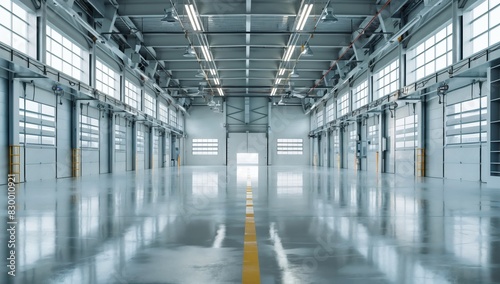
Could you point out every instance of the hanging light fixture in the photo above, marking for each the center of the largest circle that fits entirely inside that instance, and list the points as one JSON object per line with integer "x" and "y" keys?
{"x": 190, "y": 52}
{"x": 328, "y": 16}
{"x": 307, "y": 51}
{"x": 170, "y": 16}
{"x": 294, "y": 73}
{"x": 200, "y": 74}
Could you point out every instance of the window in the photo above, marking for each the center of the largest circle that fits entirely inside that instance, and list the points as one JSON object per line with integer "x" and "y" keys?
{"x": 173, "y": 118}
{"x": 330, "y": 112}
{"x": 37, "y": 123}
{"x": 150, "y": 105}
{"x": 132, "y": 95}
{"x": 373, "y": 137}
{"x": 14, "y": 26}
{"x": 64, "y": 55}
{"x": 406, "y": 132}
{"x": 319, "y": 118}
{"x": 466, "y": 122}
{"x": 107, "y": 80}
{"x": 290, "y": 146}
{"x": 140, "y": 141}
{"x": 361, "y": 95}
{"x": 89, "y": 135}
{"x": 120, "y": 137}
{"x": 163, "y": 112}
{"x": 432, "y": 55}
{"x": 386, "y": 80}
{"x": 205, "y": 147}
{"x": 482, "y": 26}
{"x": 343, "y": 104}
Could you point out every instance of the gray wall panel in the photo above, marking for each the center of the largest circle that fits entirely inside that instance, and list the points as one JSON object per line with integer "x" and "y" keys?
{"x": 463, "y": 163}
{"x": 405, "y": 162}
{"x": 389, "y": 153}
{"x": 104, "y": 136}
{"x": 147, "y": 148}
{"x": 351, "y": 146}
{"x": 203, "y": 123}
{"x": 40, "y": 163}
{"x": 64, "y": 152}
{"x": 90, "y": 162}
{"x": 120, "y": 161}
{"x": 289, "y": 122}
{"x": 434, "y": 134}
{"x": 130, "y": 156}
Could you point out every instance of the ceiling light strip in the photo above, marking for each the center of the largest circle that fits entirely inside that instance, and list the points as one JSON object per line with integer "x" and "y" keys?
{"x": 273, "y": 92}
{"x": 304, "y": 15}
{"x": 221, "y": 92}
{"x": 206, "y": 53}
{"x": 282, "y": 71}
{"x": 193, "y": 17}
{"x": 289, "y": 53}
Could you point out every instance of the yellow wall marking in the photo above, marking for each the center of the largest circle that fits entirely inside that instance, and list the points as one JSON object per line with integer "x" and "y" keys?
{"x": 251, "y": 270}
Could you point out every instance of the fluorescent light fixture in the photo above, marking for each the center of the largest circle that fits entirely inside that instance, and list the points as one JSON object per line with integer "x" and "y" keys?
{"x": 216, "y": 81}
{"x": 278, "y": 81}
{"x": 206, "y": 53}
{"x": 304, "y": 15}
{"x": 221, "y": 92}
{"x": 192, "y": 17}
{"x": 213, "y": 72}
{"x": 289, "y": 52}
{"x": 282, "y": 71}
{"x": 273, "y": 92}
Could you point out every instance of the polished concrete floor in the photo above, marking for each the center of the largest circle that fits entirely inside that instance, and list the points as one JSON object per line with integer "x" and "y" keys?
{"x": 313, "y": 225}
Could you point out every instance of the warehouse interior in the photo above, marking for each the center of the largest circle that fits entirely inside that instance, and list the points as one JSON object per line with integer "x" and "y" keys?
{"x": 250, "y": 141}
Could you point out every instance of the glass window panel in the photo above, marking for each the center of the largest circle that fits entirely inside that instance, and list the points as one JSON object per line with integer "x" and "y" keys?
{"x": 480, "y": 10}
{"x": 495, "y": 35}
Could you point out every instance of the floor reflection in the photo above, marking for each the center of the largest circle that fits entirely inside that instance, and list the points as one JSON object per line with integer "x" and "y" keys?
{"x": 313, "y": 225}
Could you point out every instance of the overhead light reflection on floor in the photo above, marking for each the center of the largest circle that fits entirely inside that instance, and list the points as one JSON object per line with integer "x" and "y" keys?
{"x": 219, "y": 237}
{"x": 281, "y": 257}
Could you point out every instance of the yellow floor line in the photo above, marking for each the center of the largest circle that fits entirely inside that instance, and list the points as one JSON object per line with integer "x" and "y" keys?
{"x": 251, "y": 270}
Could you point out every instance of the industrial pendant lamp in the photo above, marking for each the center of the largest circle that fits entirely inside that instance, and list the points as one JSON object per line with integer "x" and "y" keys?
{"x": 294, "y": 73}
{"x": 307, "y": 50}
{"x": 189, "y": 51}
{"x": 328, "y": 16}
{"x": 170, "y": 16}
{"x": 200, "y": 74}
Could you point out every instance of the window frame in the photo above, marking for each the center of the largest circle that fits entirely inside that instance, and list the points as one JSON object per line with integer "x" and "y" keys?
{"x": 79, "y": 54}
{"x": 205, "y": 147}
{"x": 290, "y": 146}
